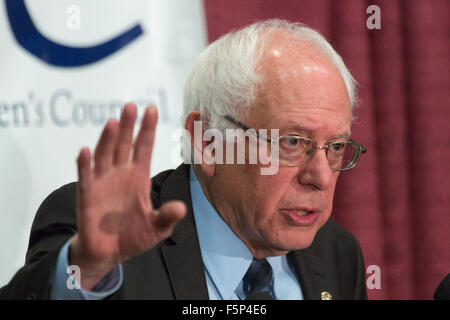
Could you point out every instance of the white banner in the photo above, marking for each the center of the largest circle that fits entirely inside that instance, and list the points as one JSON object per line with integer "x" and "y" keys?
{"x": 66, "y": 67}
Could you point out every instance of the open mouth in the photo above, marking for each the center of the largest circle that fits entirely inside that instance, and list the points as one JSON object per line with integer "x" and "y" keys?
{"x": 301, "y": 217}
{"x": 302, "y": 213}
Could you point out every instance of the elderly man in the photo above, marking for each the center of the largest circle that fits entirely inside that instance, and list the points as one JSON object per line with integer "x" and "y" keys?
{"x": 213, "y": 230}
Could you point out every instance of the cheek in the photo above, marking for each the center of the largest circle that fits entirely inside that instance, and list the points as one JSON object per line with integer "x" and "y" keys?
{"x": 267, "y": 193}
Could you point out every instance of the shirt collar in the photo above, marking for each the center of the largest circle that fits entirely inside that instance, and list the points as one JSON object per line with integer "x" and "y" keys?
{"x": 225, "y": 256}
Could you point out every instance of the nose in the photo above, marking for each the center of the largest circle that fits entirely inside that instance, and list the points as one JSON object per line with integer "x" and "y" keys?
{"x": 316, "y": 172}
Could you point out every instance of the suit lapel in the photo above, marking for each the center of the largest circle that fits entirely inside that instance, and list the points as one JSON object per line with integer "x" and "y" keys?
{"x": 311, "y": 273}
{"x": 181, "y": 252}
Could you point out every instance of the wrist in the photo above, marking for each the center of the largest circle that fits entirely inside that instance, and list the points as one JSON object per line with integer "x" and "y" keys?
{"x": 92, "y": 269}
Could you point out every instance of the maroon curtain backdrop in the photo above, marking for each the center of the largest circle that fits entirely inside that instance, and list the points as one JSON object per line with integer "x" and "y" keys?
{"x": 397, "y": 200}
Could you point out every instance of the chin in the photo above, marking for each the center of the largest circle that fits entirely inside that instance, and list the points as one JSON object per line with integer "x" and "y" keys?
{"x": 298, "y": 245}
{"x": 295, "y": 242}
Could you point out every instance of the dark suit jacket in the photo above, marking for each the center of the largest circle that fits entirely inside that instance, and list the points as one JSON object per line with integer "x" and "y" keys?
{"x": 174, "y": 268}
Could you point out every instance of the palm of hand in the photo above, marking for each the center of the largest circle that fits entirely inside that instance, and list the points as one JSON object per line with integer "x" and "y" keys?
{"x": 116, "y": 220}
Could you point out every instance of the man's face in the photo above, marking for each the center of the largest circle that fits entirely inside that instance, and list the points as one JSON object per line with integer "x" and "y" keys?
{"x": 302, "y": 95}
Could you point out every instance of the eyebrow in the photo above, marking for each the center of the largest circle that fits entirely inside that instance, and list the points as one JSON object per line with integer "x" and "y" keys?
{"x": 310, "y": 132}
{"x": 341, "y": 136}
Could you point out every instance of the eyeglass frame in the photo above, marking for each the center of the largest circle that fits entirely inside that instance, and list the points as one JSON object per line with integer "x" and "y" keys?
{"x": 360, "y": 149}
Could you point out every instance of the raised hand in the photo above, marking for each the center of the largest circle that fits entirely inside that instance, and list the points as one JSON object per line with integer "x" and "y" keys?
{"x": 116, "y": 220}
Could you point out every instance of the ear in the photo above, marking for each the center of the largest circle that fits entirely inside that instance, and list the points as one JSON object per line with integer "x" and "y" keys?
{"x": 194, "y": 126}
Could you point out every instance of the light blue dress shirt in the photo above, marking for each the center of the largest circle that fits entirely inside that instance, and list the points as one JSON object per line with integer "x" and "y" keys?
{"x": 226, "y": 260}
{"x": 61, "y": 291}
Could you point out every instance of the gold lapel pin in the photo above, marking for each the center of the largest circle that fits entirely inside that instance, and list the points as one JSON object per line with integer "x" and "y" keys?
{"x": 325, "y": 295}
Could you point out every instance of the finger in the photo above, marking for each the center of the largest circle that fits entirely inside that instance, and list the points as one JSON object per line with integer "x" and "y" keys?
{"x": 167, "y": 216}
{"x": 125, "y": 139}
{"x": 104, "y": 152}
{"x": 145, "y": 139}
{"x": 84, "y": 169}
{"x": 85, "y": 175}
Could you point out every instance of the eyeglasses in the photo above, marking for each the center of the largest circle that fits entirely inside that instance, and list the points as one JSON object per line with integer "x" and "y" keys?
{"x": 295, "y": 150}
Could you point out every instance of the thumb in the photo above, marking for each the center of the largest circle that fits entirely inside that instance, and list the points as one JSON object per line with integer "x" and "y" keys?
{"x": 168, "y": 215}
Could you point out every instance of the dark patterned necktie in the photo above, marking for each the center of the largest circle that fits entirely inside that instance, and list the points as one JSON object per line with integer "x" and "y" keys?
{"x": 258, "y": 281}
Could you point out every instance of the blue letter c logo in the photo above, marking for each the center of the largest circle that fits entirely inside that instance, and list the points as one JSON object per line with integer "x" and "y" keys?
{"x": 29, "y": 37}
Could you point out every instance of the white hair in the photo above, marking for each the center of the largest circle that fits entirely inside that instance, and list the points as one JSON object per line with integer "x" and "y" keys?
{"x": 224, "y": 81}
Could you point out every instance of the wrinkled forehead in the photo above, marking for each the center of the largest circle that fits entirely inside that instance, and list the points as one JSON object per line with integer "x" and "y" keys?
{"x": 285, "y": 57}
{"x": 299, "y": 83}
{"x": 293, "y": 68}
